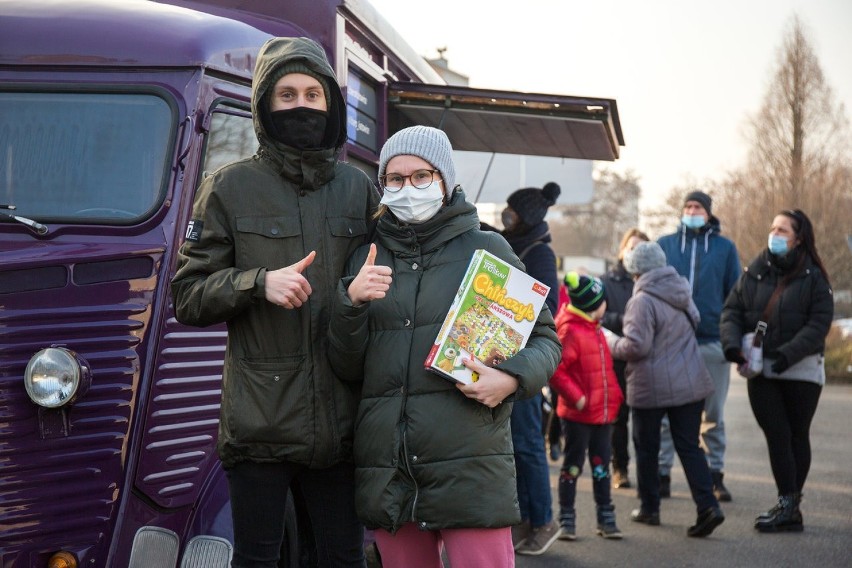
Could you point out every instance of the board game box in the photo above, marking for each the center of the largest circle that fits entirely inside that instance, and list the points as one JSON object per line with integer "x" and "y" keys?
{"x": 491, "y": 317}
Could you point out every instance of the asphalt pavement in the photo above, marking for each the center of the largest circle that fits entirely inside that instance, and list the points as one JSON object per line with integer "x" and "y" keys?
{"x": 826, "y": 506}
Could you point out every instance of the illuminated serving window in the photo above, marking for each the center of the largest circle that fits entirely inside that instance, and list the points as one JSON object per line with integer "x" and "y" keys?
{"x": 362, "y": 112}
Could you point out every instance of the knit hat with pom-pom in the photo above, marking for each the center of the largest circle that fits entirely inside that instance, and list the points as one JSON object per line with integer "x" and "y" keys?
{"x": 531, "y": 203}
{"x": 585, "y": 292}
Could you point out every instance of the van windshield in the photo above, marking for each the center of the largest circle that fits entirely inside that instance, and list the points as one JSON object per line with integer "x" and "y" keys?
{"x": 83, "y": 157}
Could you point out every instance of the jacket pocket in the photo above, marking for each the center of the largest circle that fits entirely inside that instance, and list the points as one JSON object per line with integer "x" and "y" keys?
{"x": 347, "y": 227}
{"x": 348, "y": 233}
{"x": 271, "y": 402}
{"x": 273, "y": 242}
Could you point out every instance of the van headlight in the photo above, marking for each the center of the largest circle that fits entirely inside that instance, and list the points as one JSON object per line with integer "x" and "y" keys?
{"x": 54, "y": 375}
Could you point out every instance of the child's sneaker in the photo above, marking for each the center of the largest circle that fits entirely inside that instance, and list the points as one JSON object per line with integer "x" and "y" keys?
{"x": 567, "y": 525}
{"x": 606, "y": 522}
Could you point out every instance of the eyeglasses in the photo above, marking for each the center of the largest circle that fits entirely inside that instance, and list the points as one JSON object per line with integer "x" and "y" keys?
{"x": 421, "y": 179}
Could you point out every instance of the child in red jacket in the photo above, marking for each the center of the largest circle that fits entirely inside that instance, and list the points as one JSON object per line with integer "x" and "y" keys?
{"x": 589, "y": 399}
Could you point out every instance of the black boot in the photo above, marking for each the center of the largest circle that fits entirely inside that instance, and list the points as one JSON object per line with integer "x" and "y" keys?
{"x": 719, "y": 490}
{"x": 797, "y": 497}
{"x": 783, "y": 517}
{"x": 706, "y": 522}
{"x": 665, "y": 486}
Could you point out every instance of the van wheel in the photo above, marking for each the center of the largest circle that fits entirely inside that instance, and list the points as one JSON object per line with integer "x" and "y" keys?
{"x": 290, "y": 542}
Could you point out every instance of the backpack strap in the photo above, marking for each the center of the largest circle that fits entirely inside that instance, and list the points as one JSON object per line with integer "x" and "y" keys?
{"x": 529, "y": 247}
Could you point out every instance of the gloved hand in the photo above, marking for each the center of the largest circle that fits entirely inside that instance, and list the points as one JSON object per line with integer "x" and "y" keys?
{"x": 734, "y": 355}
{"x": 780, "y": 365}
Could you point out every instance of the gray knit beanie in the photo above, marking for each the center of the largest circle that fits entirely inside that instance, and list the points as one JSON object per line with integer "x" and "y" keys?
{"x": 424, "y": 142}
{"x": 646, "y": 256}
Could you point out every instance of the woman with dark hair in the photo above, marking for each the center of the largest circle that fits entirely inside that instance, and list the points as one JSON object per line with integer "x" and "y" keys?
{"x": 787, "y": 288}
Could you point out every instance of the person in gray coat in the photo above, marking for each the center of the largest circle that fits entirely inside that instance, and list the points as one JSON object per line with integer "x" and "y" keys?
{"x": 665, "y": 377}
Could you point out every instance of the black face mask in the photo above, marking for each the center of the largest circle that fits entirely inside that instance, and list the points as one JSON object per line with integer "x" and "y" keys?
{"x": 301, "y": 127}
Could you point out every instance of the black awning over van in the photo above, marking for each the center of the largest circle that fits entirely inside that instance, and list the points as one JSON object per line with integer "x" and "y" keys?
{"x": 509, "y": 122}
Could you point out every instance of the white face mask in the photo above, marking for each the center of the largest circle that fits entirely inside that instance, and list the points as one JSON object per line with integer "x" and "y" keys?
{"x": 412, "y": 205}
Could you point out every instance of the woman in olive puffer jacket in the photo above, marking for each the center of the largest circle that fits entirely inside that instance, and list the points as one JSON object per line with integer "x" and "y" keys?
{"x": 434, "y": 460}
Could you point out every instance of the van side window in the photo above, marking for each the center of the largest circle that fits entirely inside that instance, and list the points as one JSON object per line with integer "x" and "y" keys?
{"x": 231, "y": 138}
{"x": 84, "y": 157}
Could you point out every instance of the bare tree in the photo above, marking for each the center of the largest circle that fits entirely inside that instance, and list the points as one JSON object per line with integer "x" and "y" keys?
{"x": 595, "y": 229}
{"x": 799, "y": 158}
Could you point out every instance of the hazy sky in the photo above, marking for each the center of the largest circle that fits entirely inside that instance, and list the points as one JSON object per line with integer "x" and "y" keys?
{"x": 685, "y": 74}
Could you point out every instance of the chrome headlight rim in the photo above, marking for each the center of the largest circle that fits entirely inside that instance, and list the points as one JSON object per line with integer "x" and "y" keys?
{"x": 54, "y": 377}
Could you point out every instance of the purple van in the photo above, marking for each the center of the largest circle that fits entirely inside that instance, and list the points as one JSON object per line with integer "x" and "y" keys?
{"x": 110, "y": 114}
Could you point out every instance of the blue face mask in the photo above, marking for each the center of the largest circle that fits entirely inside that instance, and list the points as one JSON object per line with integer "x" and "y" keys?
{"x": 693, "y": 221}
{"x": 778, "y": 245}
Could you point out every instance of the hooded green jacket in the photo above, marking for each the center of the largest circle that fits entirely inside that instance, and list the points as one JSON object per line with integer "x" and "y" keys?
{"x": 280, "y": 399}
{"x": 424, "y": 452}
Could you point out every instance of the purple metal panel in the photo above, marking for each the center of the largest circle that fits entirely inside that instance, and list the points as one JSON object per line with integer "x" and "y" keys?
{"x": 138, "y": 447}
{"x": 63, "y": 471}
{"x": 128, "y": 33}
{"x": 316, "y": 18}
{"x": 179, "y": 440}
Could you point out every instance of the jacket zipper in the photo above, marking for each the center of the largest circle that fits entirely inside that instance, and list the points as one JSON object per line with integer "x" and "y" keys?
{"x": 603, "y": 374}
{"x": 692, "y": 267}
{"x": 410, "y": 473}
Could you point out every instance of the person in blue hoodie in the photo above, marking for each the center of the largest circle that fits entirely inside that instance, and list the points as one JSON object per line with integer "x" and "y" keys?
{"x": 711, "y": 264}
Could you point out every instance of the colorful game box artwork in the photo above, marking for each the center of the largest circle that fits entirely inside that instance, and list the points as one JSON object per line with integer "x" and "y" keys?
{"x": 491, "y": 318}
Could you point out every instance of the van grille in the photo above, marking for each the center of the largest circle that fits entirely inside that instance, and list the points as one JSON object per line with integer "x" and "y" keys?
{"x": 180, "y": 432}
{"x": 60, "y": 469}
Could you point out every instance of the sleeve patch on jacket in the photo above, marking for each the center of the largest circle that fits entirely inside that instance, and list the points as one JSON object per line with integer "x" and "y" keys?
{"x": 193, "y": 230}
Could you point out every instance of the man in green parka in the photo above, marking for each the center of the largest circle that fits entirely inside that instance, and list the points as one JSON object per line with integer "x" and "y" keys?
{"x": 264, "y": 251}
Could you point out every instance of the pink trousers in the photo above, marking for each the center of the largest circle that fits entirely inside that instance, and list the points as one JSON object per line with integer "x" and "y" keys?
{"x": 411, "y": 547}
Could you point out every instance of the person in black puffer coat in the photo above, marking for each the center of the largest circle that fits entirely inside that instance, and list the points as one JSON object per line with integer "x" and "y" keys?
{"x": 528, "y": 233}
{"x": 786, "y": 287}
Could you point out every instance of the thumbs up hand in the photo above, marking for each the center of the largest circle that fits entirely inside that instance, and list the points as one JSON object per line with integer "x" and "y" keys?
{"x": 287, "y": 287}
{"x": 372, "y": 282}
